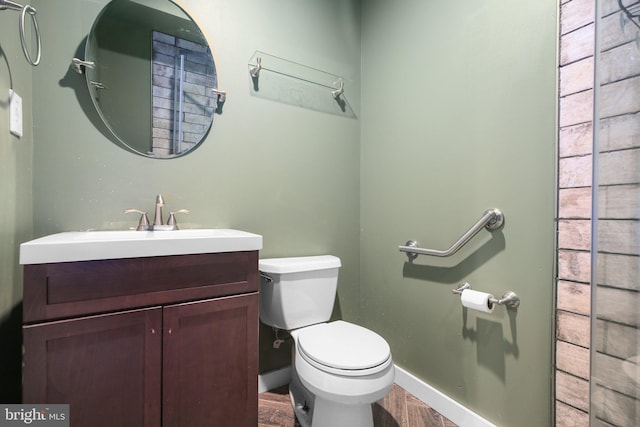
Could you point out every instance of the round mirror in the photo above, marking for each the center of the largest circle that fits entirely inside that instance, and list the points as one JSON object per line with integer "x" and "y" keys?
{"x": 153, "y": 79}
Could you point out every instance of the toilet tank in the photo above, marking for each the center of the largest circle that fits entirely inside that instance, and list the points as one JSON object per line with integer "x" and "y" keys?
{"x": 297, "y": 292}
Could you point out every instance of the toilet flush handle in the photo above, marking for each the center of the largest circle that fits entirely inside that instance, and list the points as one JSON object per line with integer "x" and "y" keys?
{"x": 266, "y": 278}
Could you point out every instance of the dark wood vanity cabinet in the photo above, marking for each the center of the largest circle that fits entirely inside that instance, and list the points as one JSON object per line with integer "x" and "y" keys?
{"x": 160, "y": 341}
{"x": 107, "y": 368}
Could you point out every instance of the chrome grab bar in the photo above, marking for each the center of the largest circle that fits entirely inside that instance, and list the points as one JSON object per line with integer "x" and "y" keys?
{"x": 492, "y": 219}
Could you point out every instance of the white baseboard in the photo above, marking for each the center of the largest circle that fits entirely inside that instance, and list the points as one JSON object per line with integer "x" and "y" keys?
{"x": 439, "y": 401}
{"x": 274, "y": 379}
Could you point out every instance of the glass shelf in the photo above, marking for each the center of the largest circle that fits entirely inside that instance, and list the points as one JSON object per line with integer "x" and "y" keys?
{"x": 291, "y": 83}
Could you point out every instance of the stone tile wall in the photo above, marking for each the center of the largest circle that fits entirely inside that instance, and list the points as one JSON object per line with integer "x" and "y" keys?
{"x": 574, "y": 211}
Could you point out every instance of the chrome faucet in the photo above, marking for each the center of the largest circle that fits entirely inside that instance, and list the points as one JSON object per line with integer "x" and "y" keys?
{"x": 157, "y": 218}
{"x": 158, "y": 224}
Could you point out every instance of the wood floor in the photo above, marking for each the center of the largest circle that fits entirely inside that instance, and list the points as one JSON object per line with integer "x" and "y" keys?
{"x": 398, "y": 409}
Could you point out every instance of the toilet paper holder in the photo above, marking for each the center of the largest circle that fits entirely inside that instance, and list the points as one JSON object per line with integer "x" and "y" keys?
{"x": 509, "y": 298}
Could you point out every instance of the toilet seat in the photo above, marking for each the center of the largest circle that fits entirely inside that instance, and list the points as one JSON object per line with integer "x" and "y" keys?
{"x": 344, "y": 348}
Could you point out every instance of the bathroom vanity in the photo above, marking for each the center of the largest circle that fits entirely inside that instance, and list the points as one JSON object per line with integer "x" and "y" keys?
{"x": 144, "y": 341}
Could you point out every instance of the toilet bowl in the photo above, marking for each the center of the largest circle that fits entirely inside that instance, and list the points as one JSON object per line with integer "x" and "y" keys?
{"x": 345, "y": 376}
{"x": 339, "y": 368}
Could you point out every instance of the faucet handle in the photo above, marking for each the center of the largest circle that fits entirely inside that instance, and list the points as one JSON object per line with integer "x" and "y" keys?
{"x": 143, "y": 224}
{"x": 172, "y": 218}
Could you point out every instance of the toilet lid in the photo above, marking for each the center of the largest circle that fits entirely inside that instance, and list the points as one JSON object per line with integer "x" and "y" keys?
{"x": 343, "y": 345}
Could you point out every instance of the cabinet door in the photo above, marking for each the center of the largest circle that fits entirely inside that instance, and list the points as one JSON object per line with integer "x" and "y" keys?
{"x": 106, "y": 367}
{"x": 210, "y": 365}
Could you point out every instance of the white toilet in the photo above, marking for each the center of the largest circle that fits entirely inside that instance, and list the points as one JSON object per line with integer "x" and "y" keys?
{"x": 339, "y": 369}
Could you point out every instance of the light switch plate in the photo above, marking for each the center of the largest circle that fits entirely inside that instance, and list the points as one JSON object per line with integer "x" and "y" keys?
{"x": 15, "y": 113}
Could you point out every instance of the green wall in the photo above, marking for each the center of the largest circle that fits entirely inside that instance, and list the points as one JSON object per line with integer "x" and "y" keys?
{"x": 287, "y": 173}
{"x": 15, "y": 194}
{"x": 458, "y": 115}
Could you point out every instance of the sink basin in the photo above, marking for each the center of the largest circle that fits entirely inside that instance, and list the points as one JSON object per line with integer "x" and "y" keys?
{"x": 94, "y": 245}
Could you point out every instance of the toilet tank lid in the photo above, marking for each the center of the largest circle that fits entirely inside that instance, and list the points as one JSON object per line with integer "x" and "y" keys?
{"x": 298, "y": 264}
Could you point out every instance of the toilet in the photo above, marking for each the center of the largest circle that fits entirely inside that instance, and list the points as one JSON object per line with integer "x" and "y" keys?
{"x": 339, "y": 368}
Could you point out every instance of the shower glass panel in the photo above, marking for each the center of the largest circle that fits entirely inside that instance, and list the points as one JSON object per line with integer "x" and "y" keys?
{"x": 615, "y": 342}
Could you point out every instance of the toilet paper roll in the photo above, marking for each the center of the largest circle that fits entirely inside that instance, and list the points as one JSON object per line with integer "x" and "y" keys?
{"x": 477, "y": 300}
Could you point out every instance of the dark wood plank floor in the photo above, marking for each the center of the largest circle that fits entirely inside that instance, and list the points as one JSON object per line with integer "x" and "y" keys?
{"x": 398, "y": 409}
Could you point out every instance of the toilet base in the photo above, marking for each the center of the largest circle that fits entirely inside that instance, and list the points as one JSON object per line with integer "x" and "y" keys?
{"x": 314, "y": 411}
{"x": 302, "y": 401}
{"x": 332, "y": 414}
